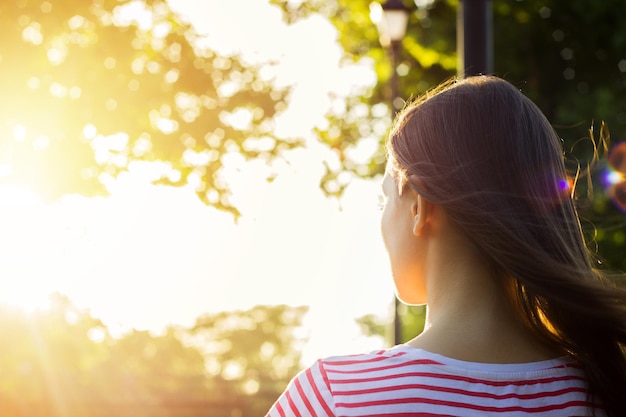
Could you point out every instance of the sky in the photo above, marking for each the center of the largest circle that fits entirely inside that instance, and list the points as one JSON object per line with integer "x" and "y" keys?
{"x": 150, "y": 256}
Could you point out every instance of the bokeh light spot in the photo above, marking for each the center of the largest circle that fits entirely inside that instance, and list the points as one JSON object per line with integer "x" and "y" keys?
{"x": 56, "y": 56}
{"x": 618, "y": 195}
{"x": 89, "y": 131}
{"x": 19, "y": 133}
{"x": 613, "y": 177}
{"x": 616, "y": 176}
{"x": 46, "y": 7}
{"x": 109, "y": 62}
{"x": 617, "y": 158}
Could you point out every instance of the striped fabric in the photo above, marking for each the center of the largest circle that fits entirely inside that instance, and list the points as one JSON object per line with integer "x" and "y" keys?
{"x": 403, "y": 382}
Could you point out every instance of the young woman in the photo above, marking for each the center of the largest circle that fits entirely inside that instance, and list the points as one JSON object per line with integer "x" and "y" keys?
{"x": 479, "y": 223}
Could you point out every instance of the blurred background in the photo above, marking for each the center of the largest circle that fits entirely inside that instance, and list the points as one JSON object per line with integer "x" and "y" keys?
{"x": 189, "y": 189}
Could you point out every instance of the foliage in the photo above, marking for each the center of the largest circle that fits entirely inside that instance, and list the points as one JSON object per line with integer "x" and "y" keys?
{"x": 89, "y": 87}
{"x": 256, "y": 351}
{"x": 62, "y": 362}
{"x": 428, "y": 56}
{"x": 412, "y": 322}
{"x": 567, "y": 56}
{"x": 92, "y": 88}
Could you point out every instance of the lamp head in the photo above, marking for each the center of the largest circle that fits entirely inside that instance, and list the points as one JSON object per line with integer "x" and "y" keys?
{"x": 391, "y": 19}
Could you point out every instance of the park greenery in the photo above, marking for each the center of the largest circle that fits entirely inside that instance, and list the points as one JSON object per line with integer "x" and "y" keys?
{"x": 62, "y": 362}
{"x": 94, "y": 88}
{"x": 89, "y": 91}
{"x": 90, "y": 87}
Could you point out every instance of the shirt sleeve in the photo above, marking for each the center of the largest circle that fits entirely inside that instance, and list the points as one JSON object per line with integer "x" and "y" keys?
{"x": 307, "y": 395}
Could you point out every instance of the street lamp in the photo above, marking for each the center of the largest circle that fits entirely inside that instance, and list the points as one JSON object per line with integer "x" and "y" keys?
{"x": 391, "y": 19}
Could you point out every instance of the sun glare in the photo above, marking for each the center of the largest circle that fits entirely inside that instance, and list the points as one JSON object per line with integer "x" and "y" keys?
{"x": 13, "y": 290}
{"x": 107, "y": 253}
{"x": 19, "y": 133}
{"x": 12, "y": 195}
{"x": 24, "y": 299}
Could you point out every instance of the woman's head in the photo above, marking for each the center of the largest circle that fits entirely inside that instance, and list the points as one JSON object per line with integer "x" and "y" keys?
{"x": 486, "y": 154}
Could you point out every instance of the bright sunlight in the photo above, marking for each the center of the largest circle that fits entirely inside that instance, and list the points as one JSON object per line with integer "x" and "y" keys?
{"x": 149, "y": 256}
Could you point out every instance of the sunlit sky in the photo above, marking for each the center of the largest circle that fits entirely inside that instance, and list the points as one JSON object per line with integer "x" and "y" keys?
{"x": 149, "y": 256}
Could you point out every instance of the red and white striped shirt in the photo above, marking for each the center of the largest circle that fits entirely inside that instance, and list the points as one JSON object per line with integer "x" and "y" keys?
{"x": 403, "y": 381}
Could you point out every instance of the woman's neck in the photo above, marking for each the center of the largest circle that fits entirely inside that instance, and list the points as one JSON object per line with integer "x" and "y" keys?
{"x": 470, "y": 314}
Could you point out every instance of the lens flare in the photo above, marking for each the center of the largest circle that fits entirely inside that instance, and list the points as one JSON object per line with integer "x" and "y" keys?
{"x": 549, "y": 191}
{"x": 566, "y": 185}
{"x": 615, "y": 178}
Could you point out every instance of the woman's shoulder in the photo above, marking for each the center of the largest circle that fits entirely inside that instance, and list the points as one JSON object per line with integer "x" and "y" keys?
{"x": 380, "y": 359}
{"x": 402, "y": 363}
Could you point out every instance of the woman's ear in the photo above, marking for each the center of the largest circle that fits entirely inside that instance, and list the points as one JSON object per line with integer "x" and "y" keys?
{"x": 422, "y": 212}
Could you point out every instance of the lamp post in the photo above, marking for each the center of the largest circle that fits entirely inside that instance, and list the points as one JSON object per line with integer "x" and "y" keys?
{"x": 391, "y": 19}
{"x": 474, "y": 38}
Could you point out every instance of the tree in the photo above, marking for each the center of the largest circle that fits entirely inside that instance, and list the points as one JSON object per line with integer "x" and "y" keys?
{"x": 567, "y": 56}
{"x": 151, "y": 372}
{"x": 62, "y": 362}
{"x": 256, "y": 352}
{"x": 90, "y": 87}
{"x": 413, "y": 320}
{"x": 47, "y": 358}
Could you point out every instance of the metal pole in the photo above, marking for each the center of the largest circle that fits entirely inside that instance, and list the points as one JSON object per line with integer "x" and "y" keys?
{"x": 474, "y": 38}
{"x": 397, "y": 322}
{"x": 395, "y": 58}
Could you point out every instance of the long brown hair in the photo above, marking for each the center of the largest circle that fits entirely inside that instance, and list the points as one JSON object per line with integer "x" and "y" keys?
{"x": 483, "y": 151}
